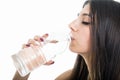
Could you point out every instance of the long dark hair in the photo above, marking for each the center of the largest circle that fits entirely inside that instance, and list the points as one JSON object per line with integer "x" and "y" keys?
{"x": 105, "y": 39}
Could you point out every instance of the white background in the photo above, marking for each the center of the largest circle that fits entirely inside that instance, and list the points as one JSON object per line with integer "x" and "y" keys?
{"x": 21, "y": 20}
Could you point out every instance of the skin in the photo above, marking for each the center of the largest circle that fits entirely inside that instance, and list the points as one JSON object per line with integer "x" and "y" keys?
{"x": 80, "y": 39}
{"x": 80, "y": 32}
{"x": 36, "y": 41}
{"x": 80, "y": 35}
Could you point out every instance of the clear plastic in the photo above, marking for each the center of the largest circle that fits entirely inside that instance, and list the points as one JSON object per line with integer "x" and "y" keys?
{"x": 30, "y": 58}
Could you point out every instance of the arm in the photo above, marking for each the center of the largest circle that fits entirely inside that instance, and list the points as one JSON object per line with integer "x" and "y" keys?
{"x": 18, "y": 77}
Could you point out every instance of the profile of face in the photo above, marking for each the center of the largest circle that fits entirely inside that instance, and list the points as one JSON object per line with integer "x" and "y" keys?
{"x": 80, "y": 32}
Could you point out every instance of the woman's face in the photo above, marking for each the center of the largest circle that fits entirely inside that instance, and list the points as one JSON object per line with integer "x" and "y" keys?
{"x": 80, "y": 32}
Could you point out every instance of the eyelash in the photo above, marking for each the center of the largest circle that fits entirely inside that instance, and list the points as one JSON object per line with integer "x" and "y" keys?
{"x": 85, "y": 23}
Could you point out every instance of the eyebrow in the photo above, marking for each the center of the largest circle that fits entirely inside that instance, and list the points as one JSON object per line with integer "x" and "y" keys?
{"x": 86, "y": 14}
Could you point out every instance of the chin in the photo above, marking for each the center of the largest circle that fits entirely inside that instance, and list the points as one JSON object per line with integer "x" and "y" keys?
{"x": 73, "y": 49}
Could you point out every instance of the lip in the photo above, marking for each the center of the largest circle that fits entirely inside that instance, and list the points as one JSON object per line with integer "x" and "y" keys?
{"x": 72, "y": 38}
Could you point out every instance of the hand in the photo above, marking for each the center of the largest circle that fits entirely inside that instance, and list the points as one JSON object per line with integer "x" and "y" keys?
{"x": 36, "y": 41}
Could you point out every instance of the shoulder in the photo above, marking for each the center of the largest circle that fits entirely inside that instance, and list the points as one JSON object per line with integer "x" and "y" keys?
{"x": 65, "y": 75}
{"x": 18, "y": 77}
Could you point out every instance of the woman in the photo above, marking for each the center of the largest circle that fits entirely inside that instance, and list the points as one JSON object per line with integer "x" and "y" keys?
{"x": 96, "y": 40}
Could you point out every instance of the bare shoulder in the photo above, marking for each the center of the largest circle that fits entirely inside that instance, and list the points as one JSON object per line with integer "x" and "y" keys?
{"x": 18, "y": 77}
{"x": 65, "y": 75}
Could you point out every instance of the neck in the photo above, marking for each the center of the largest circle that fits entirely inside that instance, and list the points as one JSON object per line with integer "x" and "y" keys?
{"x": 87, "y": 58}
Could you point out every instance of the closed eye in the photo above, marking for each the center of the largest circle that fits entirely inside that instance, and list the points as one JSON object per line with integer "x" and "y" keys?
{"x": 85, "y": 23}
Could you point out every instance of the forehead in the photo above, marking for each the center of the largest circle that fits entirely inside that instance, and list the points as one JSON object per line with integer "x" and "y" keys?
{"x": 86, "y": 9}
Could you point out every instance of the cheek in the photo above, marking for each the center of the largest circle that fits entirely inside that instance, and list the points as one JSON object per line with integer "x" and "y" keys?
{"x": 82, "y": 43}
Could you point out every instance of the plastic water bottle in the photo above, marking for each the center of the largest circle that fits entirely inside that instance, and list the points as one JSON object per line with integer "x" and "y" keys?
{"x": 27, "y": 59}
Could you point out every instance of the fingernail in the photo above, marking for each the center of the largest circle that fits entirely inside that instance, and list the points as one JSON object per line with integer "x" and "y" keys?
{"x": 52, "y": 62}
{"x": 28, "y": 45}
{"x": 41, "y": 39}
{"x": 46, "y": 34}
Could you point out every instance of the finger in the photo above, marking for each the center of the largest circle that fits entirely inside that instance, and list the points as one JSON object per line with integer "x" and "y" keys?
{"x": 33, "y": 42}
{"x": 49, "y": 62}
{"x": 25, "y": 46}
{"x": 45, "y": 35}
{"x": 41, "y": 38}
{"x": 36, "y": 38}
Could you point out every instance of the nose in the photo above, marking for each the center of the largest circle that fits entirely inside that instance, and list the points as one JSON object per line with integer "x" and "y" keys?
{"x": 73, "y": 25}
